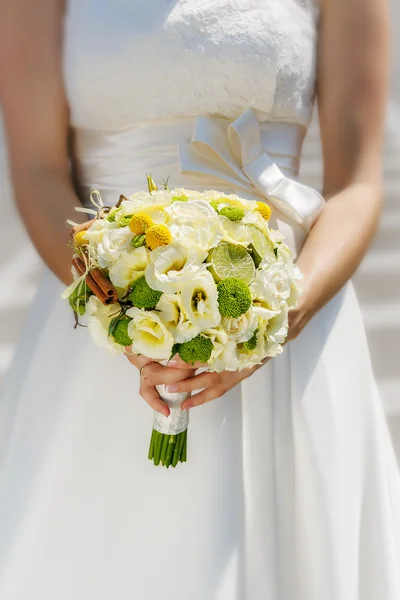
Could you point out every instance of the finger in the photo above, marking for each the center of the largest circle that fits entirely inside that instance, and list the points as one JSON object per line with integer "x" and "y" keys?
{"x": 138, "y": 360}
{"x": 158, "y": 375}
{"x": 178, "y": 363}
{"x": 198, "y": 382}
{"x": 151, "y": 396}
{"x": 203, "y": 397}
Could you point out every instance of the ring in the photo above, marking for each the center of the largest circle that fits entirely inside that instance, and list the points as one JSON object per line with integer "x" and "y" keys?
{"x": 141, "y": 373}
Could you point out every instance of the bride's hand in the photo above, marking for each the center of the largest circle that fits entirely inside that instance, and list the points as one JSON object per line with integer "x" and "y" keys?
{"x": 213, "y": 385}
{"x": 152, "y": 374}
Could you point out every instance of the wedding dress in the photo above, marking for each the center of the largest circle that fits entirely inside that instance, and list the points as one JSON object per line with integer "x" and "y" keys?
{"x": 291, "y": 489}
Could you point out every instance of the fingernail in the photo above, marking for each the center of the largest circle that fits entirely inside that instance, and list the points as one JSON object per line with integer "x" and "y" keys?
{"x": 172, "y": 388}
{"x": 172, "y": 362}
{"x": 187, "y": 407}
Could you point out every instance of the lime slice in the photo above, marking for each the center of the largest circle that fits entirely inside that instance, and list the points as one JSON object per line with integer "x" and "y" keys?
{"x": 232, "y": 260}
{"x": 259, "y": 246}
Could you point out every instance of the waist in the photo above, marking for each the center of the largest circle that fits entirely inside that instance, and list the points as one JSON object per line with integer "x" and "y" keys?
{"x": 116, "y": 162}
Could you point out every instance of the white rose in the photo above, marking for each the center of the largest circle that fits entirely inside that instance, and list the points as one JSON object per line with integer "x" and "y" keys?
{"x": 223, "y": 356}
{"x": 149, "y": 335}
{"x": 272, "y": 285}
{"x": 199, "y": 298}
{"x": 129, "y": 267}
{"x": 195, "y": 221}
{"x": 174, "y": 318}
{"x": 96, "y": 231}
{"x": 205, "y": 237}
{"x": 99, "y": 318}
{"x": 113, "y": 244}
{"x": 173, "y": 265}
{"x": 241, "y": 329}
{"x": 194, "y": 212}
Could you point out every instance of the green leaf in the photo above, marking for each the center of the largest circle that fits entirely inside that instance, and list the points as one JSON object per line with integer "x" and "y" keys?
{"x": 113, "y": 324}
{"x": 139, "y": 240}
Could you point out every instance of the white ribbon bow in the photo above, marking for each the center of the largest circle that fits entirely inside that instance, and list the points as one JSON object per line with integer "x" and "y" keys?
{"x": 235, "y": 156}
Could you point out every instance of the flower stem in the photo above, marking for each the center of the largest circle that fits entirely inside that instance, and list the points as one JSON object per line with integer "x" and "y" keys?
{"x": 152, "y": 441}
{"x": 164, "y": 448}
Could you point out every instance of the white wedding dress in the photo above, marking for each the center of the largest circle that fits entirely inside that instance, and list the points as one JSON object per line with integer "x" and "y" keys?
{"x": 291, "y": 490}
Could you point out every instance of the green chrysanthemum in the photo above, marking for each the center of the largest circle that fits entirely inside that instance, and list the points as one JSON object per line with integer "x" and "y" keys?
{"x": 120, "y": 332}
{"x": 232, "y": 213}
{"x": 234, "y": 297}
{"x": 143, "y": 296}
{"x": 198, "y": 349}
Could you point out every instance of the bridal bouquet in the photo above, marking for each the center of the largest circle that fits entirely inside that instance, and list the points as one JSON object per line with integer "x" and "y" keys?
{"x": 198, "y": 274}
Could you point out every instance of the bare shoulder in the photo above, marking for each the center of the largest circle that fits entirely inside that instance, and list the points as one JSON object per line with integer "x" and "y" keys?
{"x": 31, "y": 80}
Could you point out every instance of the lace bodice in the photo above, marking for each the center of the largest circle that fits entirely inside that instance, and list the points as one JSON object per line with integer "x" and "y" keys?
{"x": 128, "y": 61}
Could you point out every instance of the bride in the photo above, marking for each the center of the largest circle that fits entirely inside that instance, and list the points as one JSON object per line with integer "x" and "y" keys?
{"x": 292, "y": 490}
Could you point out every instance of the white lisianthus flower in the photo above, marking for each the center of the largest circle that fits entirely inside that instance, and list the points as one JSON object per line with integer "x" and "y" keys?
{"x": 199, "y": 298}
{"x": 173, "y": 265}
{"x": 129, "y": 267}
{"x": 241, "y": 329}
{"x": 173, "y": 316}
{"x": 235, "y": 231}
{"x": 149, "y": 335}
{"x": 195, "y": 221}
{"x": 272, "y": 285}
{"x": 99, "y": 318}
{"x": 236, "y": 202}
{"x": 255, "y": 218}
{"x": 113, "y": 244}
{"x": 224, "y": 355}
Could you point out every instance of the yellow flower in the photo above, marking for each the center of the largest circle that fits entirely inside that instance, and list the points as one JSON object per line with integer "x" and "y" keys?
{"x": 264, "y": 210}
{"x": 80, "y": 238}
{"x": 140, "y": 223}
{"x": 158, "y": 235}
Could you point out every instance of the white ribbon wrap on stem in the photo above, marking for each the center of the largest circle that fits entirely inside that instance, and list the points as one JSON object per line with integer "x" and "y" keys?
{"x": 177, "y": 421}
{"x": 235, "y": 156}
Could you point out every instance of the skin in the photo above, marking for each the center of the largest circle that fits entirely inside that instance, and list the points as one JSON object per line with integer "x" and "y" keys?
{"x": 351, "y": 95}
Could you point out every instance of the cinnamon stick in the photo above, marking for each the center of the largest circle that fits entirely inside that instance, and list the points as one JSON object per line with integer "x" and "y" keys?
{"x": 82, "y": 227}
{"x": 97, "y": 282}
{"x": 104, "y": 284}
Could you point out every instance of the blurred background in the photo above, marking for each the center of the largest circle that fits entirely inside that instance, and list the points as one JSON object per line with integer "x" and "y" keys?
{"x": 377, "y": 281}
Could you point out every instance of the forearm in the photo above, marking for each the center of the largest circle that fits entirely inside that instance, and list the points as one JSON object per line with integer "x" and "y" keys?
{"x": 46, "y": 200}
{"x": 337, "y": 244}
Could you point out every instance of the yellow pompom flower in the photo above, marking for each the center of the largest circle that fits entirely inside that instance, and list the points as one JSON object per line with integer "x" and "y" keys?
{"x": 158, "y": 235}
{"x": 80, "y": 238}
{"x": 264, "y": 210}
{"x": 140, "y": 223}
